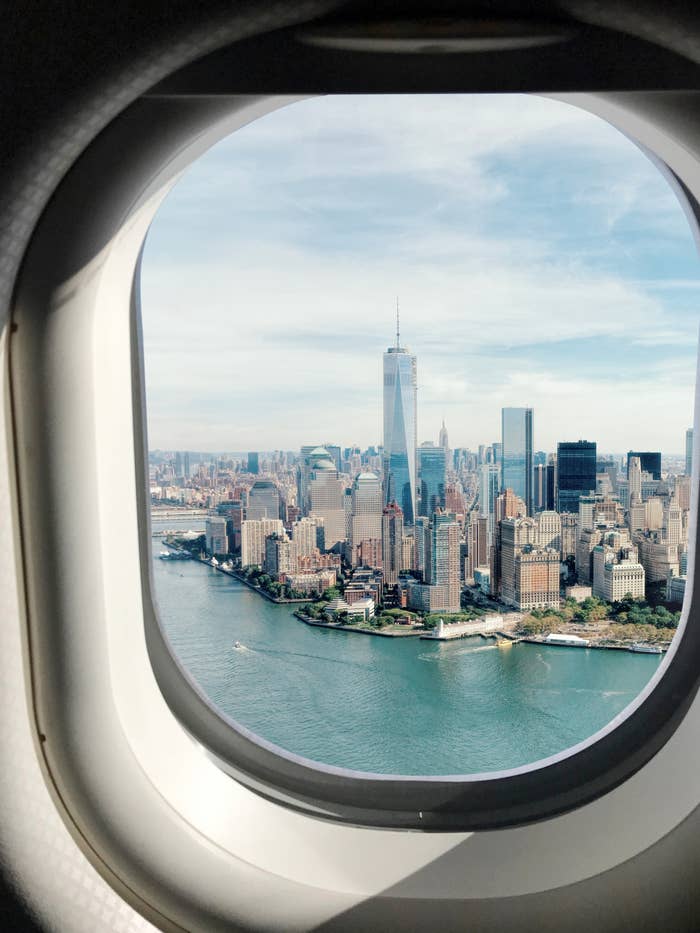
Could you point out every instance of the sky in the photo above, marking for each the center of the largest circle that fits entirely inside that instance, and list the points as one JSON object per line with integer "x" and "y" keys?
{"x": 538, "y": 256}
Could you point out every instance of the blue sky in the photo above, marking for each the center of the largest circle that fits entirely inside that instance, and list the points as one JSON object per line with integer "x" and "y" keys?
{"x": 539, "y": 259}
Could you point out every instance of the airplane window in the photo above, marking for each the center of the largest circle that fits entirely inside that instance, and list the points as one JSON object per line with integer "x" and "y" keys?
{"x": 419, "y": 376}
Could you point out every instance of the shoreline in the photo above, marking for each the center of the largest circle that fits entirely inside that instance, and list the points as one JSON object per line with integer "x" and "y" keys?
{"x": 422, "y": 633}
{"x": 338, "y": 627}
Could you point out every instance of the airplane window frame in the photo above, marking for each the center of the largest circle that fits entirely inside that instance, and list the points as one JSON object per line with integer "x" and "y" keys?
{"x": 107, "y": 806}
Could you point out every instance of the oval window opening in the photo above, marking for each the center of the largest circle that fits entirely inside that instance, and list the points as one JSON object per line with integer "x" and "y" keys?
{"x": 419, "y": 374}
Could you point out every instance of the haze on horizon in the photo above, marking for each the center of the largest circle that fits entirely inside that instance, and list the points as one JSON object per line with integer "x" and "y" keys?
{"x": 539, "y": 257}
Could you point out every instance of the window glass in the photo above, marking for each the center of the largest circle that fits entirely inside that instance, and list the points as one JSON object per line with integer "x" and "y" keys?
{"x": 419, "y": 376}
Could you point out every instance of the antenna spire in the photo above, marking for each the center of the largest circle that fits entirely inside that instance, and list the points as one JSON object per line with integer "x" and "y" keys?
{"x": 398, "y": 342}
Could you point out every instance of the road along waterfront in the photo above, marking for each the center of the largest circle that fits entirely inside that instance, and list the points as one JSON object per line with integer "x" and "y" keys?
{"x": 391, "y": 705}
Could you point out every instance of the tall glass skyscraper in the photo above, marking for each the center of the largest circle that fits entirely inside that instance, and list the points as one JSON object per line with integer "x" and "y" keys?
{"x": 516, "y": 453}
{"x": 431, "y": 466}
{"x": 576, "y": 469}
{"x": 400, "y": 441}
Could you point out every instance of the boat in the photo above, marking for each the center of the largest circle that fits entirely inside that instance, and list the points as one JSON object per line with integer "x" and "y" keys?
{"x": 503, "y": 642}
{"x": 641, "y": 648}
{"x": 237, "y": 644}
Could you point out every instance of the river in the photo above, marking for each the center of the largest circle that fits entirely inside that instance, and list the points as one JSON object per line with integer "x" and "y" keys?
{"x": 396, "y": 706}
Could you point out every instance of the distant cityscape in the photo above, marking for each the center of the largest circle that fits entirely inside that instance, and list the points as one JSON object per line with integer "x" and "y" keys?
{"x": 422, "y": 526}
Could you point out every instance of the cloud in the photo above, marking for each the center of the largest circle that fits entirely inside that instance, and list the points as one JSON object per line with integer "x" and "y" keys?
{"x": 539, "y": 259}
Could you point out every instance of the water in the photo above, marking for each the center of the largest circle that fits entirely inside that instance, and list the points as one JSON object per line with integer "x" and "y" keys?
{"x": 401, "y": 706}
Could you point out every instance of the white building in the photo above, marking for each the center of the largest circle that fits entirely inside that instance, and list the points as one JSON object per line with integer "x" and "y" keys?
{"x": 253, "y": 534}
{"x": 366, "y": 518}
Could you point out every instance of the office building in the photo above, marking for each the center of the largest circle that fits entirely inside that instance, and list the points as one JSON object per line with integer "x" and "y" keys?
{"x": 478, "y": 547}
{"x": 529, "y": 573}
{"x": 442, "y": 590}
{"x": 576, "y": 473}
{"x": 443, "y": 440}
{"x": 253, "y": 462}
{"x": 489, "y": 486}
{"x": 673, "y": 523}
{"x": 598, "y": 509}
{"x": 617, "y": 572}
{"x": 215, "y": 535}
{"x": 569, "y": 534}
{"x": 400, "y": 422}
{"x": 516, "y": 454}
{"x": 326, "y": 499}
{"x": 308, "y": 457}
{"x": 431, "y": 467}
{"x": 263, "y": 500}
{"x": 650, "y": 461}
{"x": 689, "y": 451}
{"x": 392, "y": 543}
{"x": 366, "y": 512}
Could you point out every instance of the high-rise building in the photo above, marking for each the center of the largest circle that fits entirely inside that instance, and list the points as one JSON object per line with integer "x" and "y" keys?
{"x": 263, "y": 500}
{"x": 529, "y": 573}
{"x": 489, "y": 485}
{"x": 596, "y": 509}
{"x": 444, "y": 559}
{"x": 443, "y": 440}
{"x": 576, "y": 473}
{"x": 673, "y": 523}
{"x": 216, "y": 538}
{"x": 689, "y": 451}
{"x": 253, "y": 462}
{"x": 392, "y": 542}
{"x": 634, "y": 480}
{"x": 431, "y": 468}
{"x": 650, "y": 461}
{"x": 280, "y": 556}
{"x": 616, "y": 569}
{"x": 400, "y": 424}
{"x": 478, "y": 545}
{"x": 326, "y": 497}
{"x": 569, "y": 534}
{"x": 305, "y": 536}
{"x": 309, "y": 456}
{"x": 516, "y": 453}
{"x": 187, "y": 465}
{"x": 421, "y": 545}
{"x": 366, "y": 512}
{"x": 253, "y": 535}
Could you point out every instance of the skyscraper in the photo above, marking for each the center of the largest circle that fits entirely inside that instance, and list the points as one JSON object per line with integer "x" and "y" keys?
{"x": 489, "y": 479}
{"x": 516, "y": 453}
{"x": 253, "y": 462}
{"x": 392, "y": 542}
{"x": 576, "y": 473}
{"x": 366, "y": 521}
{"x": 263, "y": 500}
{"x": 650, "y": 461}
{"x": 443, "y": 440}
{"x": 444, "y": 559}
{"x": 326, "y": 493}
{"x": 400, "y": 405}
{"x": 431, "y": 467}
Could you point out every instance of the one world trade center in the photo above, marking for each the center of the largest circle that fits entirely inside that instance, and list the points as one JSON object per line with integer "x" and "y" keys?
{"x": 399, "y": 458}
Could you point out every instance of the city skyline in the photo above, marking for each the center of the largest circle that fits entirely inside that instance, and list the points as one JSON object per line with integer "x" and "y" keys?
{"x": 539, "y": 257}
